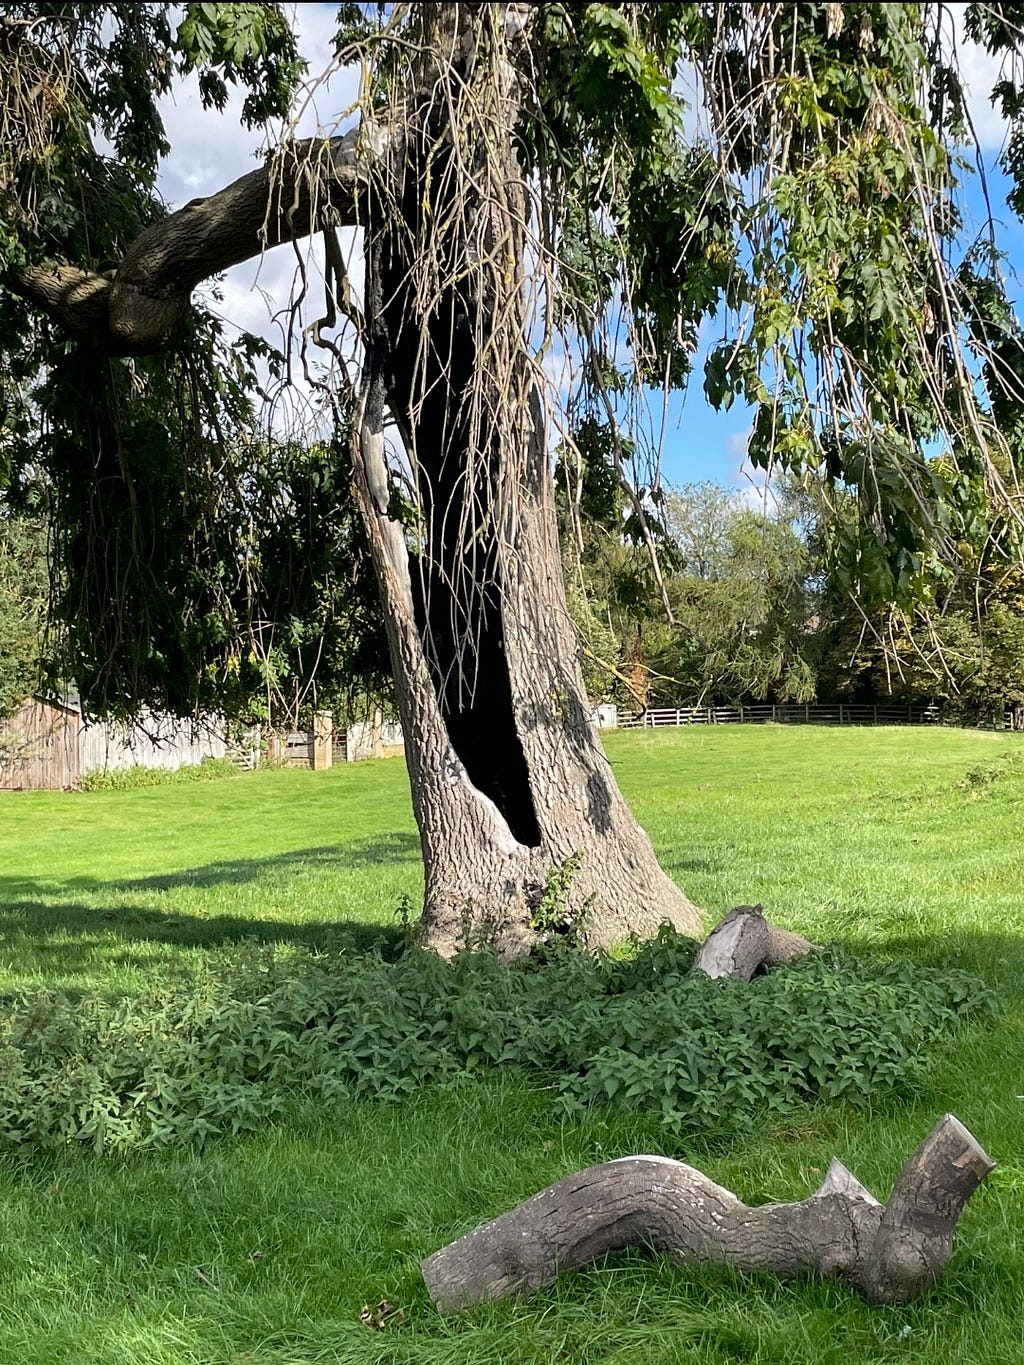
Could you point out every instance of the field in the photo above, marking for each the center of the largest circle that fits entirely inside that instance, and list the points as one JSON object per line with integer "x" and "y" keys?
{"x": 897, "y": 843}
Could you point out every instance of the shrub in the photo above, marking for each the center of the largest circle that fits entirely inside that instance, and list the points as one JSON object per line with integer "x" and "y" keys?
{"x": 224, "y": 1051}
{"x": 138, "y": 775}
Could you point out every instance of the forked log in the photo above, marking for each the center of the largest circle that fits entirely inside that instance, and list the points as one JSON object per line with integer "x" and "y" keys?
{"x": 744, "y": 941}
{"x": 890, "y": 1253}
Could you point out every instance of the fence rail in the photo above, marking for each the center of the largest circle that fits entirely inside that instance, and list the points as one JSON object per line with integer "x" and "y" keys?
{"x": 787, "y": 713}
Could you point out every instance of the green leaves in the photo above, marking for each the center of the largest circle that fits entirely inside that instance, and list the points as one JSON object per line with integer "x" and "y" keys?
{"x": 222, "y": 1052}
{"x": 24, "y": 589}
{"x": 242, "y": 573}
{"x": 241, "y": 44}
{"x": 818, "y": 201}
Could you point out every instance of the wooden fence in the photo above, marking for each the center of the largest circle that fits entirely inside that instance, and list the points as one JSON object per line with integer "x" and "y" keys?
{"x": 47, "y": 746}
{"x": 321, "y": 747}
{"x": 40, "y": 748}
{"x": 787, "y": 713}
{"x": 297, "y": 748}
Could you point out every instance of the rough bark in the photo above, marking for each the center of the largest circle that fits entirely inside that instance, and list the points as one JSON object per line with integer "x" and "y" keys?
{"x": 137, "y": 308}
{"x": 744, "y": 941}
{"x": 890, "y": 1253}
{"x": 508, "y": 778}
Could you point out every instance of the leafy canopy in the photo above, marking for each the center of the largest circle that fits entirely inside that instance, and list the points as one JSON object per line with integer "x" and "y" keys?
{"x": 792, "y": 173}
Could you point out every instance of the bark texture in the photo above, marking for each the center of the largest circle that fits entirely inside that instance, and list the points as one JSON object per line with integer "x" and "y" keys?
{"x": 744, "y": 941}
{"x": 137, "y": 308}
{"x": 891, "y": 1253}
{"x": 508, "y": 778}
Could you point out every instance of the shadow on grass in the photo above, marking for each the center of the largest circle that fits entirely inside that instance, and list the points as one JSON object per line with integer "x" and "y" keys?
{"x": 52, "y": 922}
{"x": 397, "y": 847}
{"x": 34, "y": 920}
{"x": 998, "y": 958}
{"x": 82, "y": 949}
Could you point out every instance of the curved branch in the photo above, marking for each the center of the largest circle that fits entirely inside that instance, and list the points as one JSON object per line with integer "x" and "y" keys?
{"x": 77, "y": 300}
{"x": 136, "y": 309}
{"x": 891, "y": 1254}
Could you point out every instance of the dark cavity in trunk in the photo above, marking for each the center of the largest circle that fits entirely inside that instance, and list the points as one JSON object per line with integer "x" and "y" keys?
{"x": 456, "y": 576}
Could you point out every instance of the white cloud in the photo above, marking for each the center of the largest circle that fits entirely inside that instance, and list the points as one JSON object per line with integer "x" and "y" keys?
{"x": 736, "y": 445}
{"x": 210, "y": 149}
{"x": 751, "y": 483}
{"x": 979, "y": 72}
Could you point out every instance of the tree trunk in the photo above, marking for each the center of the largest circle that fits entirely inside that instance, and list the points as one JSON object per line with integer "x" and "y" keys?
{"x": 890, "y": 1253}
{"x": 744, "y": 943}
{"x": 509, "y": 781}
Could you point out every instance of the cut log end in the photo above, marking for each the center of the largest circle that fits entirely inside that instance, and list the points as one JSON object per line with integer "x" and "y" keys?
{"x": 891, "y": 1252}
{"x": 744, "y": 941}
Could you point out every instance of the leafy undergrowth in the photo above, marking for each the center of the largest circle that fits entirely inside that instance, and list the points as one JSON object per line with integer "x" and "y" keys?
{"x": 138, "y": 775}
{"x": 225, "y": 1052}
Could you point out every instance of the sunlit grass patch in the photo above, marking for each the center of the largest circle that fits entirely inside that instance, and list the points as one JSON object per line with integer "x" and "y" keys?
{"x": 866, "y": 837}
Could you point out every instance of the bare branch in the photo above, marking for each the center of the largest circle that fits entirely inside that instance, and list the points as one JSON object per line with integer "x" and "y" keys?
{"x": 137, "y": 308}
{"x": 891, "y": 1253}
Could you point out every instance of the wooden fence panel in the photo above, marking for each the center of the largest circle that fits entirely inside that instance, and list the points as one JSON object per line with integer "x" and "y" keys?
{"x": 298, "y": 749}
{"x": 39, "y": 749}
{"x": 154, "y": 743}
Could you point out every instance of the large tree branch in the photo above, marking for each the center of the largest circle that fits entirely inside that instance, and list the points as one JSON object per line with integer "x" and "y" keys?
{"x": 137, "y": 308}
{"x": 890, "y": 1253}
{"x": 78, "y": 300}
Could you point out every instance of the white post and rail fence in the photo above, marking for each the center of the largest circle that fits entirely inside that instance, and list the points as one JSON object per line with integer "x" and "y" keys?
{"x": 794, "y": 713}
{"x": 375, "y": 738}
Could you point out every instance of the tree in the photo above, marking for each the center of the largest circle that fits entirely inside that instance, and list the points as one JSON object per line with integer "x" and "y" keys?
{"x": 499, "y": 146}
{"x": 23, "y": 593}
{"x": 963, "y": 652}
{"x": 742, "y": 604}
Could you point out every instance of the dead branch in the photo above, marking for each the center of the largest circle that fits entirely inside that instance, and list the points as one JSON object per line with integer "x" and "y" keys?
{"x": 745, "y": 941}
{"x": 891, "y": 1253}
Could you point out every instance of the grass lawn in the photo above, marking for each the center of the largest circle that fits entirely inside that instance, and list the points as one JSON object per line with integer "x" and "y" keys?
{"x": 263, "y": 1250}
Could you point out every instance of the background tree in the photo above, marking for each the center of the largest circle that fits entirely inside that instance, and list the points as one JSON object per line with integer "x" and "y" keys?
{"x": 742, "y": 605}
{"x": 818, "y": 211}
{"x": 24, "y": 591}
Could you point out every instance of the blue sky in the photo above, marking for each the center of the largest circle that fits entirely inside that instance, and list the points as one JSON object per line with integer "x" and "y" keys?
{"x": 211, "y": 149}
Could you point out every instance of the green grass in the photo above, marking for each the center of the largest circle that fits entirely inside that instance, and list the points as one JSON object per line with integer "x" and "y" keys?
{"x": 103, "y": 890}
{"x": 901, "y": 842}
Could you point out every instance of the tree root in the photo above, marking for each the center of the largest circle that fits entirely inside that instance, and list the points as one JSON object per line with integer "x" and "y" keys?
{"x": 891, "y": 1253}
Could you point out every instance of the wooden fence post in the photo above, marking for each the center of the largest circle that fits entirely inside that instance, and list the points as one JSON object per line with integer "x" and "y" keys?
{"x": 323, "y": 728}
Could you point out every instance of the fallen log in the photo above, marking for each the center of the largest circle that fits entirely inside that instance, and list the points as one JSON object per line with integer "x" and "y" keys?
{"x": 744, "y": 941}
{"x": 890, "y": 1253}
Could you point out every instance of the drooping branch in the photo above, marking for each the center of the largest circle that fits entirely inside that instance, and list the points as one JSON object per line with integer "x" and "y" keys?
{"x": 890, "y": 1253}
{"x": 135, "y": 309}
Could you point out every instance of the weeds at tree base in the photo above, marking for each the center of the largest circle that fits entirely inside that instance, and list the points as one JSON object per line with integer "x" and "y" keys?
{"x": 225, "y": 1050}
